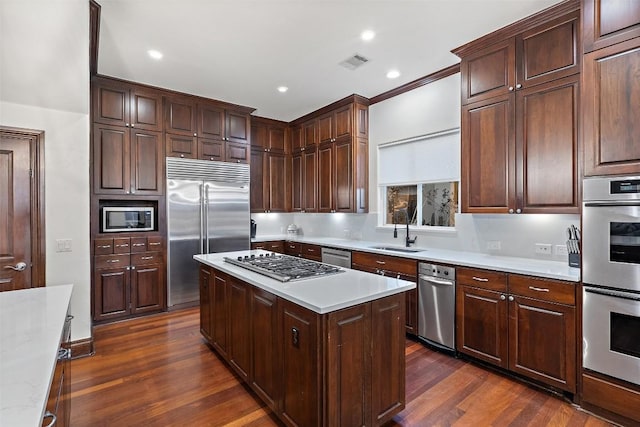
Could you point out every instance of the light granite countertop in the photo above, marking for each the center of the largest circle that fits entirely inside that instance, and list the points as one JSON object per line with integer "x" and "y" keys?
{"x": 322, "y": 294}
{"x": 532, "y": 267}
{"x": 31, "y": 326}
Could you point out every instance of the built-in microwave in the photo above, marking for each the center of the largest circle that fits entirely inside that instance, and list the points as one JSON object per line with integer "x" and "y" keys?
{"x": 127, "y": 218}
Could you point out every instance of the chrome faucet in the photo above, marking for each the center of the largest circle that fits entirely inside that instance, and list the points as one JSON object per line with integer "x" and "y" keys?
{"x": 409, "y": 241}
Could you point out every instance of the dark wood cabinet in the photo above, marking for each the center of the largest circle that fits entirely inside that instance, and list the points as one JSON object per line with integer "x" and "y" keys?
{"x": 297, "y": 139}
{"x": 267, "y": 134}
{"x": 608, "y": 22}
{"x": 297, "y": 182}
{"x": 269, "y": 167}
{"x": 272, "y": 245}
{"x": 610, "y": 125}
{"x": 127, "y": 106}
{"x": 402, "y": 268}
{"x": 312, "y": 252}
{"x": 127, "y": 161}
{"x": 520, "y": 117}
{"x": 326, "y": 168}
{"x": 180, "y": 115}
{"x": 335, "y": 124}
{"x": 310, "y": 180}
{"x": 206, "y": 291}
{"x": 310, "y": 133}
{"x": 239, "y": 324}
{"x": 129, "y": 277}
{"x": 520, "y": 323}
{"x": 265, "y": 343}
{"x": 219, "y": 312}
{"x": 210, "y": 149}
{"x": 293, "y": 248}
{"x": 183, "y": 146}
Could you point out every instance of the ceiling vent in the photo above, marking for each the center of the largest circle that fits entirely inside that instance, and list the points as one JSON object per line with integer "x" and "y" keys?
{"x": 354, "y": 61}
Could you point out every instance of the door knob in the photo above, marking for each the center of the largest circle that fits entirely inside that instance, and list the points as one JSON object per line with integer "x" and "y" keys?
{"x": 21, "y": 266}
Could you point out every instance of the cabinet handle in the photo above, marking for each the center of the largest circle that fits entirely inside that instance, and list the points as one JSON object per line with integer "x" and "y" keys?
{"x": 69, "y": 318}
{"x": 53, "y": 417}
{"x": 518, "y": 86}
{"x": 113, "y": 260}
{"x": 502, "y": 297}
{"x": 533, "y": 288}
{"x": 138, "y": 244}
{"x": 146, "y": 257}
{"x": 510, "y": 211}
{"x": 511, "y": 298}
{"x": 182, "y": 156}
{"x": 124, "y": 245}
{"x": 104, "y": 246}
{"x": 311, "y": 250}
{"x": 518, "y": 210}
{"x": 295, "y": 337}
{"x": 480, "y": 279}
{"x": 510, "y": 88}
{"x": 380, "y": 262}
{"x": 154, "y": 243}
{"x": 133, "y": 125}
{"x": 64, "y": 354}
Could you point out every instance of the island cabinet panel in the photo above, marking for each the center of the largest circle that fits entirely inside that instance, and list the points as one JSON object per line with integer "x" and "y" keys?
{"x": 206, "y": 287}
{"x": 240, "y": 327}
{"x": 219, "y": 312}
{"x": 301, "y": 365}
{"x": 266, "y": 347}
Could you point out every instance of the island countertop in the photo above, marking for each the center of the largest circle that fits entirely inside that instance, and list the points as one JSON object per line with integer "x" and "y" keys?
{"x": 31, "y": 325}
{"x": 320, "y": 294}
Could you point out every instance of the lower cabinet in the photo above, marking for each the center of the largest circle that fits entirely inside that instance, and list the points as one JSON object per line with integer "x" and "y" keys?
{"x": 272, "y": 245}
{"x": 311, "y": 369}
{"x": 520, "y": 323}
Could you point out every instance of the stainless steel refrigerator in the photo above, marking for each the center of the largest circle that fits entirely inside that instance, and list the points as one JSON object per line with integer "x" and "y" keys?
{"x": 207, "y": 212}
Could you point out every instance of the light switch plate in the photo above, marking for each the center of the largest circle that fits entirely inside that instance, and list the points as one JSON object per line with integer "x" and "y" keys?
{"x": 63, "y": 245}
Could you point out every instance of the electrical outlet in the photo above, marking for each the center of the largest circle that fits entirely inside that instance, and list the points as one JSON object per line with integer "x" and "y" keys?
{"x": 63, "y": 245}
{"x": 543, "y": 248}
{"x": 493, "y": 245}
{"x": 561, "y": 250}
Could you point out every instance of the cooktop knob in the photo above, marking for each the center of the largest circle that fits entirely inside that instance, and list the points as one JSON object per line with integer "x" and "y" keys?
{"x": 240, "y": 258}
{"x": 252, "y": 256}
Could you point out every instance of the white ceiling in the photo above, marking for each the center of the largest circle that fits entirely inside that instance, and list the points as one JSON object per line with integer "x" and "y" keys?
{"x": 240, "y": 51}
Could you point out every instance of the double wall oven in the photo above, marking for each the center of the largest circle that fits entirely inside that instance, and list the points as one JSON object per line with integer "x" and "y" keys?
{"x": 611, "y": 276}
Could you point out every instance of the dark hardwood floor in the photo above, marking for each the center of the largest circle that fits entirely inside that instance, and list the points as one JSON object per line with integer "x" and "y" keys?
{"x": 158, "y": 371}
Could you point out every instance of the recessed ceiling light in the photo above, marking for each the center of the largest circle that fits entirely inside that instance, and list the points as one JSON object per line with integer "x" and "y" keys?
{"x": 155, "y": 54}
{"x": 282, "y": 89}
{"x": 367, "y": 35}
{"x": 393, "y": 74}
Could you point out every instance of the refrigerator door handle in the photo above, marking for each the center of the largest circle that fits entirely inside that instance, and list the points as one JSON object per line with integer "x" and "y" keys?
{"x": 201, "y": 218}
{"x": 206, "y": 217}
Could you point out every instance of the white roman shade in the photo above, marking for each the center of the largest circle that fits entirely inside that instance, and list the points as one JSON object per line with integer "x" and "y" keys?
{"x": 434, "y": 157}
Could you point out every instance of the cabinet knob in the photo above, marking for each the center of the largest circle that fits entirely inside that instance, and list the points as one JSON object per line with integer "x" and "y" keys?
{"x": 182, "y": 156}
{"x": 511, "y": 298}
{"x": 510, "y": 211}
{"x": 518, "y": 210}
{"x": 133, "y": 125}
{"x": 502, "y": 297}
{"x": 510, "y": 88}
{"x": 211, "y": 158}
{"x": 126, "y": 124}
{"x": 127, "y": 191}
{"x": 195, "y": 134}
{"x": 237, "y": 161}
{"x": 518, "y": 86}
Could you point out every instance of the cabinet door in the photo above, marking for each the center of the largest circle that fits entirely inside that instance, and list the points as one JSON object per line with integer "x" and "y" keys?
{"x": 211, "y": 122}
{"x": 310, "y": 133}
{"x": 277, "y": 185}
{"x": 206, "y": 287}
{"x": 219, "y": 313}
{"x": 265, "y": 365}
{"x": 147, "y": 288}
{"x": 237, "y": 152}
{"x": 240, "y": 327}
{"x": 180, "y": 116}
{"x": 488, "y": 156}
{"x": 387, "y": 370}
{"x": 325, "y": 178}
{"x": 489, "y": 72}
{"x": 259, "y": 138}
{"x": 111, "y": 287}
{"x": 276, "y": 139}
{"x": 310, "y": 180}
{"x": 548, "y": 52}
{"x": 297, "y": 139}
{"x": 343, "y": 184}
{"x": 481, "y": 325}
{"x": 146, "y": 110}
{"x": 259, "y": 195}
{"x": 411, "y": 309}
{"x": 326, "y": 131}
{"x": 111, "y": 160}
{"x": 547, "y": 131}
{"x": 147, "y": 163}
{"x": 542, "y": 341}
{"x": 110, "y": 104}
{"x": 297, "y": 179}
{"x": 607, "y": 22}
{"x": 348, "y": 367}
{"x": 342, "y": 120}
{"x": 300, "y": 365}
{"x": 211, "y": 149}
{"x": 610, "y": 110}
{"x": 238, "y": 127}
{"x": 277, "y": 246}
{"x": 182, "y": 146}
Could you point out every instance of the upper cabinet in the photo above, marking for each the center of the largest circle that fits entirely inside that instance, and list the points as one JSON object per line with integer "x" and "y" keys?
{"x": 610, "y": 107}
{"x": 607, "y": 22}
{"x": 520, "y": 96}
{"x": 269, "y": 165}
{"x": 126, "y": 105}
{"x": 538, "y": 55}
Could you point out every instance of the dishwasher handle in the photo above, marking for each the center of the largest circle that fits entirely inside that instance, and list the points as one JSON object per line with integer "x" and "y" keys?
{"x": 437, "y": 281}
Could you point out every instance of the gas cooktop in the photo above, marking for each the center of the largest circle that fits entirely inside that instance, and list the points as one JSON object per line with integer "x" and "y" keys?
{"x": 284, "y": 268}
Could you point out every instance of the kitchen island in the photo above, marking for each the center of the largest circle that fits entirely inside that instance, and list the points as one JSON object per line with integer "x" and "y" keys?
{"x": 323, "y": 351}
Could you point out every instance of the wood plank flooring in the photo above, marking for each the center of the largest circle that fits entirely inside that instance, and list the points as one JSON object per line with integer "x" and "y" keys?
{"x": 158, "y": 371}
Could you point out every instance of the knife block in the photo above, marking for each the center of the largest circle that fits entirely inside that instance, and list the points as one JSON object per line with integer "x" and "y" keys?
{"x": 574, "y": 260}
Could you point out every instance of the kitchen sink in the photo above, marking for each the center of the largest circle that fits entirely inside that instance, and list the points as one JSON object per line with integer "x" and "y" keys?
{"x": 397, "y": 249}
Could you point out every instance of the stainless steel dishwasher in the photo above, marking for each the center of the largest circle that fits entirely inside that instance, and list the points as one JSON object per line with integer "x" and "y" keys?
{"x": 437, "y": 305}
{"x": 338, "y": 257}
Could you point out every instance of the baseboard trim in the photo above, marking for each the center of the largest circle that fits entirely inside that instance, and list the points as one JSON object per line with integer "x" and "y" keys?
{"x": 82, "y": 348}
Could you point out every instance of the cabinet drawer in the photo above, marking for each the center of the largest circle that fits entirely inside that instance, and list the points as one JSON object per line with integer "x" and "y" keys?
{"x": 103, "y": 246}
{"x": 384, "y": 262}
{"x": 121, "y": 245}
{"x": 544, "y": 289}
{"x": 154, "y": 243}
{"x": 311, "y": 251}
{"x": 112, "y": 261}
{"x": 482, "y": 279}
{"x": 292, "y": 248}
{"x": 146, "y": 258}
{"x": 138, "y": 244}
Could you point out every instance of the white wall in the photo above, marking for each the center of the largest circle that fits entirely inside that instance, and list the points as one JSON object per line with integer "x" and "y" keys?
{"x": 44, "y": 85}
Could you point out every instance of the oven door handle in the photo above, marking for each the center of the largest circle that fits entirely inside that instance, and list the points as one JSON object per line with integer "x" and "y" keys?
{"x": 612, "y": 293}
{"x": 617, "y": 203}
